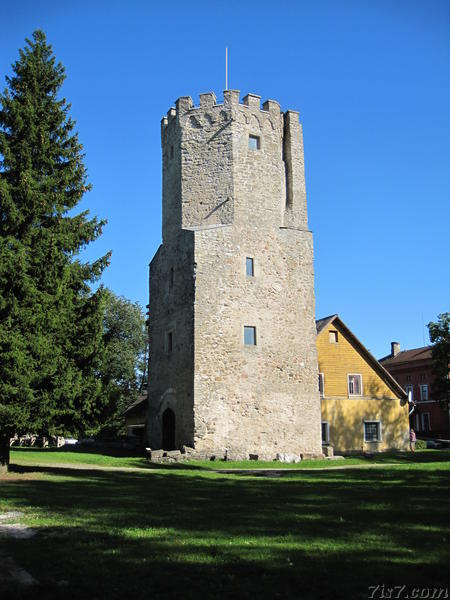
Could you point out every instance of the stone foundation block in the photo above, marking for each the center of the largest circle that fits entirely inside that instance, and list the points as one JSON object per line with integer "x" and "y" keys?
{"x": 288, "y": 458}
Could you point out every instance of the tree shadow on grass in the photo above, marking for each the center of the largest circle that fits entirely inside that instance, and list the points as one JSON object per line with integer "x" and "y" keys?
{"x": 103, "y": 450}
{"x": 180, "y": 535}
{"x": 144, "y": 463}
{"x": 427, "y": 456}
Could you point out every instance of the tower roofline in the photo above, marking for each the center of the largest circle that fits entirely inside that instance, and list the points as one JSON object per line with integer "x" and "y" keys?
{"x": 185, "y": 104}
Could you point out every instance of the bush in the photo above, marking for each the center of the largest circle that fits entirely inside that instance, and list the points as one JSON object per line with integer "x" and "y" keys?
{"x": 421, "y": 445}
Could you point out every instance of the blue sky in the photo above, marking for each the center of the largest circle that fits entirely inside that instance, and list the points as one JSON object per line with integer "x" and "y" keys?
{"x": 372, "y": 83}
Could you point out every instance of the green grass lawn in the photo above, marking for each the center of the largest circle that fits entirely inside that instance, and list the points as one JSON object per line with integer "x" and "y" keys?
{"x": 192, "y": 533}
{"x": 83, "y": 456}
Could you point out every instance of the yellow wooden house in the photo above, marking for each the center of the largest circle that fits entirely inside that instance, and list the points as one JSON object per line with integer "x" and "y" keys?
{"x": 363, "y": 408}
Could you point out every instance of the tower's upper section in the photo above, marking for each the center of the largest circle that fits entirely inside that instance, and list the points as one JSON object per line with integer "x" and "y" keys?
{"x": 232, "y": 163}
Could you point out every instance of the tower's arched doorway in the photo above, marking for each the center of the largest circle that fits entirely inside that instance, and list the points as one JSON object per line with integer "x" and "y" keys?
{"x": 168, "y": 429}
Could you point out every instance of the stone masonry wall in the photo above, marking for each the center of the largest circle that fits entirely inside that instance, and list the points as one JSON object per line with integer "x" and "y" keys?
{"x": 171, "y": 371}
{"x": 236, "y": 202}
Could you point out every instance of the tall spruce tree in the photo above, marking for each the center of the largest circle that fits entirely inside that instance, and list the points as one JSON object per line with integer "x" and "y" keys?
{"x": 50, "y": 320}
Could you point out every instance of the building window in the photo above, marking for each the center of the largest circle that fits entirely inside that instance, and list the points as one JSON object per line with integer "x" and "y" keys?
{"x": 408, "y": 378}
{"x": 410, "y": 391}
{"x": 321, "y": 384}
{"x": 254, "y": 142}
{"x": 424, "y": 392}
{"x": 426, "y": 421}
{"x": 249, "y": 336}
{"x": 354, "y": 385}
{"x": 333, "y": 337}
{"x": 417, "y": 422}
{"x": 325, "y": 432}
{"x": 171, "y": 151}
{"x": 249, "y": 267}
{"x": 171, "y": 278}
{"x": 169, "y": 342}
{"x": 372, "y": 431}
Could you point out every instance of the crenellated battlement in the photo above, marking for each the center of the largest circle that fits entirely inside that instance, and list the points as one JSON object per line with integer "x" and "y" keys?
{"x": 204, "y": 148}
{"x": 231, "y": 98}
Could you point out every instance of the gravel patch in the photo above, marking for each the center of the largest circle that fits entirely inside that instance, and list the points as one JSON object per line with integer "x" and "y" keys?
{"x": 11, "y": 514}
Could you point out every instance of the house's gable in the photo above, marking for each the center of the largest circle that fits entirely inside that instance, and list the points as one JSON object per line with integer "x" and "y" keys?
{"x": 345, "y": 356}
{"x": 371, "y": 414}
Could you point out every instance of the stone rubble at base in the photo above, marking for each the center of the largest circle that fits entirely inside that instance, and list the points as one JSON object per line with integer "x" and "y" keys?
{"x": 174, "y": 456}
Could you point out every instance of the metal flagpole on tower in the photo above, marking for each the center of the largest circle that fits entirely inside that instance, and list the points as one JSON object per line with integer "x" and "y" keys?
{"x": 226, "y": 68}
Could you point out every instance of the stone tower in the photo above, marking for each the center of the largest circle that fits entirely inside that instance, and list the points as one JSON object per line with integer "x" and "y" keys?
{"x": 233, "y": 363}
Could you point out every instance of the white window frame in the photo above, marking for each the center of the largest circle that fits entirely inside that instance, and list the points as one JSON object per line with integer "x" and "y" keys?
{"x": 422, "y": 387}
{"x": 360, "y": 383}
{"x": 422, "y": 421}
{"x": 322, "y": 387}
{"x": 327, "y": 432}
{"x": 378, "y": 422}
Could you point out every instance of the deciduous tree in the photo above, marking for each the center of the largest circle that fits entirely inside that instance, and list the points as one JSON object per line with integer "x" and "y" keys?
{"x": 440, "y": 338}
{"x": 124, "y": 363}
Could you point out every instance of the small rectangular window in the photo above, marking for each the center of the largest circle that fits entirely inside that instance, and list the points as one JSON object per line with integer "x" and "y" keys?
{"x": 426, "y": 422}
{"x": 417, "y": 422}
{"x": 249, "y": 336}
{"x": 424, "y": 392}
{"x": 249, "y": 267}
{"x": 372, "y": 431}
{"x": 325, "y": 432}
{"x": 253, "y": 142}
{"x": 171, "y": 278}
{"x": 354, "y": 385}
{"x": 321, "y": 382}
{"x": 333, "y": 337}
{"x": 169, "y": 342}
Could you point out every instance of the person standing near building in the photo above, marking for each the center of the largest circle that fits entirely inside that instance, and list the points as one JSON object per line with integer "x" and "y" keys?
{"x": 412, "y": 440}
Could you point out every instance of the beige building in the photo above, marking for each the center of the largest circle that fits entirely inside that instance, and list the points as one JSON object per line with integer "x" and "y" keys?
{"x": 233, "y": 362}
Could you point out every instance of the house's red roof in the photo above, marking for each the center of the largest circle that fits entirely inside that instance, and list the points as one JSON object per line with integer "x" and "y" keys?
{"x": 404, "y": 356}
